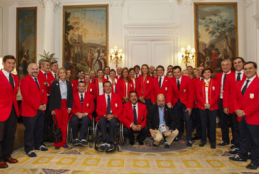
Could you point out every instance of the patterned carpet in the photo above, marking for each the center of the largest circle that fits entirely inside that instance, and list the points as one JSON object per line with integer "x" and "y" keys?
{"x": 81, "y": 160}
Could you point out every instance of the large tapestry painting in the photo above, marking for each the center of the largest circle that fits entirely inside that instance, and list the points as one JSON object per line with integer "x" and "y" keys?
{"x": 85, "y": 42}
{"x": 215, "y": 33}
{"x": 26, "y": 39}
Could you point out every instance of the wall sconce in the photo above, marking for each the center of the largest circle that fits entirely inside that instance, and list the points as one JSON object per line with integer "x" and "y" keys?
{"x": 187, "y": 54}
{"x": 116, "y": 55}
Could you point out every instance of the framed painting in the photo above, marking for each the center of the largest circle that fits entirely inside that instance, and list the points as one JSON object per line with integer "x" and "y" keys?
{"x": 26, "y": 39}
{"x": 215, "y": 33}
{"x": 85, "y": 37}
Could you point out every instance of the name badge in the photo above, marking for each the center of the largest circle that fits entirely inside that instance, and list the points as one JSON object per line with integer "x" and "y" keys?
{"x": 213, "y": 88}
{"x": 166, "y": 88}
{"x": 87, "y": 104}
{"x": 91, "y": 89}
{"x": 147, "y": 81}
{"x": 184, "y": 90}
{"x": 72, "y": 84}
{"x": 116, "y": 105}
{"x": 162, "y": 128}
{"x": 252, "y": 96}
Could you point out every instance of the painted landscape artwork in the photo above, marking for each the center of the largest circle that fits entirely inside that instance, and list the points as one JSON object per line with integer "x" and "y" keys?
{"x": 85, "y": 42}
{"x": 26, "y": 39}
{"x": 215, "y": 33}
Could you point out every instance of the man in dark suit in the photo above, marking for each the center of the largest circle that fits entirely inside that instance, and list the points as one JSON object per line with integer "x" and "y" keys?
{"x": 246, "y": 102}
{"x": 34, "y": 100}
{"x": 134, "y": 119}
{"x": 161, "y": 122}
{"x": 8, "y": 110}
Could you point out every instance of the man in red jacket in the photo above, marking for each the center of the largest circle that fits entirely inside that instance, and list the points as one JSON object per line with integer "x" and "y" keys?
{"x": 223, "y": 104}
{"x": 51, "y": 76}
{"x": 81, "y": 78}
{"x": 109, "y": 110}
{"x": 8, "y": 110}
{"x": 83, "y": 107}
{"x": 182, "y": 102}
{"x": 34, "y": 100}
{"x": 246, "y": 104}
{"x": 134, "y": 119}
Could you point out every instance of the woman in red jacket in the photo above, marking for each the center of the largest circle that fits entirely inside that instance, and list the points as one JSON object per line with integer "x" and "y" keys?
{"x": 113, "y": 80}
{"x": 132, "y": 78}
{"x": 99, "y": 80}
{"x": 125, "y": 85}
{"x": 144, "y": 86}
{"x": 90, "y": 87}
{"x": 208, "y": 93}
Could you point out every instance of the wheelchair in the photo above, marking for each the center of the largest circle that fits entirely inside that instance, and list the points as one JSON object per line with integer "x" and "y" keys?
{"x": 90, "y": 132}
{"x": 118, "y": 136}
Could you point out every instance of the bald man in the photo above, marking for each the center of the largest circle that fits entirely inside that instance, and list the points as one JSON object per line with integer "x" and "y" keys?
{"x": 161, "y": 122}
{"x": 34, "y": 100}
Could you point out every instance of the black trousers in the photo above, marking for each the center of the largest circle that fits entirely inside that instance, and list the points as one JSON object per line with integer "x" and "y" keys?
{"x": 85, "y": 121}
{"x": 249, "y": 133}
{"x": 129, "y": 133}
{"x": 48, "y": 121}
{"x": 33, "y": 133}
{"x": 197, "y": 120}
{"x": 7, "y": 135}
{"x": 235, "y": 130}
{"x": 180, "y": 113}
{"x": 224, "y": 119}
{"x": 208, "y": 117}
{"x": 112, "y": 126}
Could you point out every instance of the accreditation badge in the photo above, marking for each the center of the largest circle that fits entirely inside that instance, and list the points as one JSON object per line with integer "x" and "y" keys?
{"x": 91, "y": 90}
{"x": 147, "y": 81}
{"x": 166, "y": 88}
{"x": 162, "y": 128}
{"x": 116, "y": 105}
{"x": 213, "y": 88}
{"x": 87, "y": 104}
{"x": 184, "y": 90}
{"x": 252, "y": 96}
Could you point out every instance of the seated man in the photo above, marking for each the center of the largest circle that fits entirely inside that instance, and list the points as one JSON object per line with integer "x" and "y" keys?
{"x": 134, "y": 119}
{"x": 109, "y": 110}
{"x": 161, "y": 122}
{"x": 83, "y": 107}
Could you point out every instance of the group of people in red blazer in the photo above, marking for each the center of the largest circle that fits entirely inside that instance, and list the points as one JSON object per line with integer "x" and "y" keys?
{"x": 137, "y": 100}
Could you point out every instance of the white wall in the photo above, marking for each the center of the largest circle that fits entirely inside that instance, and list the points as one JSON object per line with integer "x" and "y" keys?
{"x": 148, "y": 31}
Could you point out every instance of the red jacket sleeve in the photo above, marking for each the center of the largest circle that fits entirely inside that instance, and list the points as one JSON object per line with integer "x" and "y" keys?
{"x": 100, "y": 110}
{"x": 125, "y": 117}
{"x": 215, "y": 98}
{"x": 191, "y": 94}
{"x": 144, "y": 122}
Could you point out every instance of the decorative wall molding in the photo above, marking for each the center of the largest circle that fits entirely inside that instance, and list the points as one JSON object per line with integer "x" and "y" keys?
{"x": 256, "y": 16}
{"x": 53, "y": 4}
{"x": 116, "y": 3}
{"x": 248, "y": 2}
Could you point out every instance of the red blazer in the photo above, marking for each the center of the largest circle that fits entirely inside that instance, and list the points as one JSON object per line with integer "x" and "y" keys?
{"x": 166, "y": 89}
{"x": 88, "y": 105}
{"x": 97, "y": 85}
{"x": 144, "y": 87}
{"x": 248, "y": 102}
{"x": 32, "y": 97}
{"x": 51, "y": 79}
{"x": 186, "y": 92}
{"x": 128, "y": 115}
{"x": 74, "y": 85}
{"x": 116, "y": 82}
{"x": 8, "y": 96}
{"x": 195, "y": 81}
{"x": 43, "y": 78}
{"x": 116, "y": 106}
{"x": 91, "y": 89}
{"x": 229, "y": 91}
{"x": 213, "y": 94}
{"x": 121, "y": 88}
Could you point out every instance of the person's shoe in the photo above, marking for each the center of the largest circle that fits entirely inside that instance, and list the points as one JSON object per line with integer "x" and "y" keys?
{"x": 42, "y": 148}
{"x": 102, "y": 147}
{"x": 12, "y": 160}
{"x": 31, "y": 154}
{"x": 166, "y": 145}
{"x": 57, "y": 148}
{"x": 141, "y": 143}
{"x": 223, "y": 143}
{"x": 176, "y": 139}
{"x": 65, "y": 146}
{"x": 76, "y": 142}
{"x": 3, "y": 165}
{"x": 110, "y": 148}
{"x": 154, "y": 144}
{"x": 202, "y": 144}
{"x": 131, "y": 142}
{"x": 189, "y": 143}
{"x": 213, "y": 146}
{"x": 237, "y": 158}
{"x": 83, "y": 142}
{"x": 196, "y": 138}
{"x": 252, "y": 166}
{"x": 234, "y": 151}
{"x": 232, "y": 146}
{"x": 249, "y": 156}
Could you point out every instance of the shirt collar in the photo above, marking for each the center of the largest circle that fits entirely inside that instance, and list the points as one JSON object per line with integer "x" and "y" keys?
{"x": 207, "y": 81}
{"x": 163, "y": 76}
{"x": 43, "y": 71}
{"x": 242, "y": 71}
{"x": 5, "y": 72}
{"x": 179, "y": 78}
{"x": 61, "y": 82}
{"x": 251, "y": 79}
{"x": 134, "y": 104}
{"x": 227, "y": 72}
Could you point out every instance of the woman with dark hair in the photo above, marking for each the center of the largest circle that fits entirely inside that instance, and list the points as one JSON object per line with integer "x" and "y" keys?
{"x": 132, "y": 77}
{"x": 125, "y": 85}
{"x": 144, "y": 86}
{"x": 154, "y": 74}
{"x": 113, "y": 80}
{"x": 90, "y": 87}
{"x": 208, "y": 93}
{"x": 61, "y": 102}
{"x": 99, "y": 80}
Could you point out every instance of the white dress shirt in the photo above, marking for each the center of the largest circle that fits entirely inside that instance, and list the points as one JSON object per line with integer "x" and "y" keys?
{"x": 222, "y": 80}
{"x": 126, "y": 83}
{"x": 53, "y": 74}
{"x": 250, "y": 80}
{"x": 80, "y": 95}
{"x": 100, "y": 88}
{"x": 6, "y": 73}
{"x": 114, "y": 87}
{"x": 180, "y": 80}
{"x": 207, "y": 90}
{"x": 63, "y": 89}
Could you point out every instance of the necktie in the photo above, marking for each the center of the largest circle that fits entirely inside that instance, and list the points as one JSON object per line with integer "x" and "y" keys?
{"x": 238, "y": 76}
{"x": 224, "y": 79}
{"x": 160, "y": 82}
{"x": 11, "y": 80}
{"x": 135, "y": 115}
{"x": 178, "y": 84}
{"x": 55, "y": 75}
{"x": 35, "y": 79}
{"x": 45, "y": 74}
{"x": 107, "y": 77}
{"x": 108, "y": 105}
{"x": 82, "y": 99}
{"x": 245, "y": 87}
{"x": 136, "y": 76}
